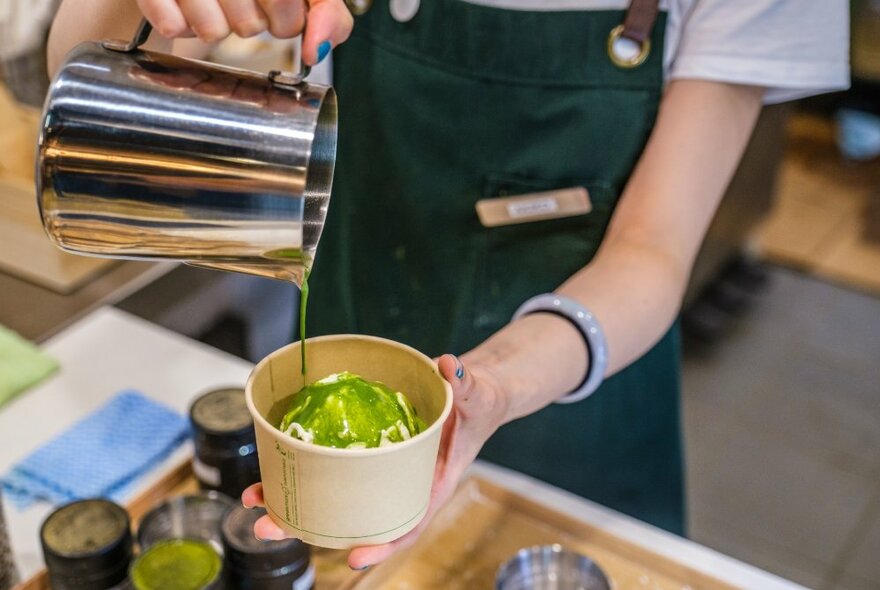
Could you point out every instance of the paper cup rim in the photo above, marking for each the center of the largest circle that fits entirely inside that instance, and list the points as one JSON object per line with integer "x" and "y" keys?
{"x": 333, "y": 451}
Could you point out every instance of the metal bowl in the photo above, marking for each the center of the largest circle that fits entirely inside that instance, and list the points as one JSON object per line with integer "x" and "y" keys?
{"x": 550, "y": 567}
{"x": 195, "y": 516}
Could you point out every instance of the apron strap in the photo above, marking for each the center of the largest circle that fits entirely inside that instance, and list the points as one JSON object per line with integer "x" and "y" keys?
{"x": 639, "y": 21}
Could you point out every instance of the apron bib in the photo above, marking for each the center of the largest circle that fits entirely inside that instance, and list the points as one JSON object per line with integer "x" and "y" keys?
{"x": 463, "y": 103}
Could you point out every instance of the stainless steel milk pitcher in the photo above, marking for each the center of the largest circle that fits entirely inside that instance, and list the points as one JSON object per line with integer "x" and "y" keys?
{"x": 145, "y": 155}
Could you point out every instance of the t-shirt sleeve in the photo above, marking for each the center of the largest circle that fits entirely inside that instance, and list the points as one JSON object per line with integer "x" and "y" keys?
{"x": 794, "y": 48}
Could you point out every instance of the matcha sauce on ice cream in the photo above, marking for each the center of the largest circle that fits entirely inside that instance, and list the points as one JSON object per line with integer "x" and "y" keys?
{"x": 344, "y": 410}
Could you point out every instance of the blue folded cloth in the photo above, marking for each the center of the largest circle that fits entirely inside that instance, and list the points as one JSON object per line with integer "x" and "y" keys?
{"x": 101, "y": 455}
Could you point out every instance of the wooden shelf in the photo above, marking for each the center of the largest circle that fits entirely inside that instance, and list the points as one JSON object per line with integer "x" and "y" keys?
{"x": 332, "y": 569}
{"x": 25, "y": 250}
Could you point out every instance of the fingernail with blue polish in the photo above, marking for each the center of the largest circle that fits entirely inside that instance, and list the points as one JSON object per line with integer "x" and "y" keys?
{"x": 362, "y": 568}
{"x": 459, "y": 369}
{"x": 323, "y": 50}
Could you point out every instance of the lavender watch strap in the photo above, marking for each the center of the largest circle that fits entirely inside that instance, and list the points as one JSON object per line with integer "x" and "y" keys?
{"x": 589, "y": 328}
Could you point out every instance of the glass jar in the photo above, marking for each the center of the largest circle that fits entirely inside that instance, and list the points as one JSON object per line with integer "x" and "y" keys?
{"x": 87, "y": 545}
{"x": 194, "y": 516}
{"x": 225, "y": 445}
{"x": 251, "y": 564}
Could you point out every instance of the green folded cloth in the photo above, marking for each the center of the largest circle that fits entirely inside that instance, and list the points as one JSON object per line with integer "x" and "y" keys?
{"x": 21, "y": 365}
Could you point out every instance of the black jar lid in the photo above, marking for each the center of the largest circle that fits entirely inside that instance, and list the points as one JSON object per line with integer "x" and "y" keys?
{"x": 87, "y": 544}
{"x": 221, "y": 415}
{"x": 245, "y": 552}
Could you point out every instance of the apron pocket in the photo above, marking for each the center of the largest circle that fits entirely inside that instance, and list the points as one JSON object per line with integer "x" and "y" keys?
{"x": 518, "y": 261}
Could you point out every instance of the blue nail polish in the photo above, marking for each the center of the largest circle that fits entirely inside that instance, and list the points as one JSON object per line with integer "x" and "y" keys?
{"x": 459, "y": 369}
{"x": 323, "y": 50}
{"x": 360, "y": 569}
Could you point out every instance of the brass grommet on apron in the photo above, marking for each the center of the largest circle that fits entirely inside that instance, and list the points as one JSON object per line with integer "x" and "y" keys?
{"x": 403, "y": 11}
{"x": 636, "y": 28}
{"x": 622, "y": 61}
{"x": 358, "y": 7}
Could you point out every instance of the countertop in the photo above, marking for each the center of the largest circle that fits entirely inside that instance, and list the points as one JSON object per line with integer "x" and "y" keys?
{"x": 110, "y": 350}
{"x": 696, "y": 556}
{"x": 100, "y": 355}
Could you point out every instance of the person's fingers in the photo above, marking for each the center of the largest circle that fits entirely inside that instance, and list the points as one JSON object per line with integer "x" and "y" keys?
{"x": 266, "y": 530}
{"x": 206, "y": 19}
{"x": 485, "y": 405}
{"x": 286, "y": 17}
{"x": 449, "y": 366}
{"x": 329, "y": 24}
{"x": 245, "y": 17}
{"x": 360, "y": 558}
{"x": 252, "y": 496}
{"x": 455, "y": 372}
{"x": 166, "y": 17}
{"x": 452, "y": 370}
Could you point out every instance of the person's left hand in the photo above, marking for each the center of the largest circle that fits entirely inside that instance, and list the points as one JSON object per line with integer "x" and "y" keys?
{"x": 479, "y": 408}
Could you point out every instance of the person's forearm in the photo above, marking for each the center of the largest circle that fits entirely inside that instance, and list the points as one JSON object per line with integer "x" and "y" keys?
{"x": 635, "y": 283}
{"x": 91, "y": 20}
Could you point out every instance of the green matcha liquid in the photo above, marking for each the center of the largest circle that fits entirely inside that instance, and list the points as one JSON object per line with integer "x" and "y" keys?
{"x": 305, "y": 260}
{"x": 177, "y": 564}
{"x": 347, "y": 411}
{"x": 303, "y": 300}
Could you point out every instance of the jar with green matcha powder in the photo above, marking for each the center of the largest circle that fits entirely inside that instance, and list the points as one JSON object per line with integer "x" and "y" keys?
{"x": 178, "y": 564}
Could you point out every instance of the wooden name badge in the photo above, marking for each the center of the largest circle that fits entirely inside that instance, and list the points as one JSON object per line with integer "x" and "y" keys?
{"x": 534, "y": 207}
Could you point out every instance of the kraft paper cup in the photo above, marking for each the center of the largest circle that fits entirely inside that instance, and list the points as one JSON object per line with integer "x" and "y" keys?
{"x": 341, "y": 498}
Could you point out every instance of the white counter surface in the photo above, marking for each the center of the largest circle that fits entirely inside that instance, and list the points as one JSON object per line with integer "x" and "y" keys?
{"x": 110, "y": 350}
{"x": 100, "y": 355}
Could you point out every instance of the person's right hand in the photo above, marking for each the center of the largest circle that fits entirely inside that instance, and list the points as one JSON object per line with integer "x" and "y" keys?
{"x": 329, "y": 21}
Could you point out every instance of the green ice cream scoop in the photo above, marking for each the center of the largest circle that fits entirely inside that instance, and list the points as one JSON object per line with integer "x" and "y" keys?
{"x": 344, "y": 410}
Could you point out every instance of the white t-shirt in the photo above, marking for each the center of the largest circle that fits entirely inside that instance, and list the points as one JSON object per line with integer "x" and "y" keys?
{"x": 794, "y": 48}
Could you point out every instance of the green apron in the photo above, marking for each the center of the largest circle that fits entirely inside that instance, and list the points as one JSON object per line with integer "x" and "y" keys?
{"x": 467, "y": 102}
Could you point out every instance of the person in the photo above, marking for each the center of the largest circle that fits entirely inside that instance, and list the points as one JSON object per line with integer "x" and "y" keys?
{"x": 621, "y": 123}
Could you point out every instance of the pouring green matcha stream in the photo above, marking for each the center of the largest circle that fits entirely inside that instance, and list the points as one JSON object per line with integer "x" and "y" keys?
{"x": 303, "y": 300}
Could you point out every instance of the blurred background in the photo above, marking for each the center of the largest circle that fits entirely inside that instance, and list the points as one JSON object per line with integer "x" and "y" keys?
{"x": 782, "y": 318}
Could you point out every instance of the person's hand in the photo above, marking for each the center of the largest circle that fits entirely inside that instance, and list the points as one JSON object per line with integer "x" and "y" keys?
{"x": 329, "y": 21}
{"x": 479, "y": 408}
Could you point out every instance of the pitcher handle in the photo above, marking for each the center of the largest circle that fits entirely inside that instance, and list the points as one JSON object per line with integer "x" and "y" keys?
{"x": 143, "y": 33}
